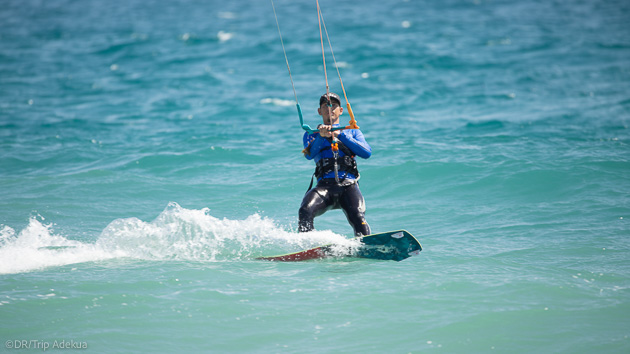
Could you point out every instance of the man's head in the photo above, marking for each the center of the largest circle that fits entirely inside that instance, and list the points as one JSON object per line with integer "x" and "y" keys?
{"x": 331, "y": 98}
{"x": 330, "y": 104}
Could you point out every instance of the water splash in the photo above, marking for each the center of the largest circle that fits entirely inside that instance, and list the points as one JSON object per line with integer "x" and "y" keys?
{"x": 38, "y": 247}
{"x": 176, "y": 234}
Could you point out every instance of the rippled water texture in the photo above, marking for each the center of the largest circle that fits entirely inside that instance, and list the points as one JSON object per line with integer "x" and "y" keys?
{"x": 150, "y": 151}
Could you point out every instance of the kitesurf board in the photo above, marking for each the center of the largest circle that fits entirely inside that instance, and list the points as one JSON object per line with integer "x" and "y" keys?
{"x": 392, "y": 245}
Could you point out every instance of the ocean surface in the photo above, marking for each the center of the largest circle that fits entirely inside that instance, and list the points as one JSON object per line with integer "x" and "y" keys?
{"x": 151, "y": 150}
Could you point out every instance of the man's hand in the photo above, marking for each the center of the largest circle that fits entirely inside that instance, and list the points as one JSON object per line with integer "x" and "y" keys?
{"x": 324, "y": 131}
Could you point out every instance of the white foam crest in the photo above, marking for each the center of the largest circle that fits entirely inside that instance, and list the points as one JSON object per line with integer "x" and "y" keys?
{"x": 38, "y": 247}
{"x": 224, "y": 36}
{"x": 277, "y": 102}
{"x": 183, "y": 234}
{"x": 176, "y": 234}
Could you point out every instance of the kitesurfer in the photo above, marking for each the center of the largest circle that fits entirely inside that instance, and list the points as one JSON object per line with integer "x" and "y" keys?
{"x": 336, "y": 169}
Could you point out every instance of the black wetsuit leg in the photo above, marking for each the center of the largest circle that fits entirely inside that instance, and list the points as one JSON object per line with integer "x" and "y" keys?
{"x": 353, "y": 205}
{"x": 328, "y": 196}
{"x": 315, "y": 203}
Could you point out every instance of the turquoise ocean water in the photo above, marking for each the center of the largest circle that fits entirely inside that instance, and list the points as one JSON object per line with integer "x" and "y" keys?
{"x": 150, "y": 150}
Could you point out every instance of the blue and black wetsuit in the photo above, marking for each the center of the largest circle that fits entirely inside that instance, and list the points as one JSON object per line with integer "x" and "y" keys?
{"x": 330, "y": 194}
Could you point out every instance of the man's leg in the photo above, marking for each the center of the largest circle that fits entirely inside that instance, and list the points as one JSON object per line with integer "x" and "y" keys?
{"x": 316, "y": 202}
{"x": 353, "y": 206}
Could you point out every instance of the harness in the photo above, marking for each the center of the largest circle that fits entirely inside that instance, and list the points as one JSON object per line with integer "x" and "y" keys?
{"x": 346, "y": 163}
{"x": 327, "y": 165}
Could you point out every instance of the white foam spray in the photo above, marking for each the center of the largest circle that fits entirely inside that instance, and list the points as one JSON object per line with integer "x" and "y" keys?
{"x": 38, "y": 247}
{"x": 176, "y": 234}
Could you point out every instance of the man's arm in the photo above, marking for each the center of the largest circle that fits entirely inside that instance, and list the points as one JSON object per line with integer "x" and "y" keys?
{"x": 316, "y": 145}
{"x": 355, "y": 141}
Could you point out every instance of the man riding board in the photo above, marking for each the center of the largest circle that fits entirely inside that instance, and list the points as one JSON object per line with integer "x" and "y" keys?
{"x": 336, "y": 170}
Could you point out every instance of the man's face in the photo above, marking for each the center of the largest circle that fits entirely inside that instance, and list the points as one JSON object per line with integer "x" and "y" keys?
{"x": 324, "y": 110}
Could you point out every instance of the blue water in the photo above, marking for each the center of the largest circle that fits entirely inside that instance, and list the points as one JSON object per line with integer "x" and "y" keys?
{"x": 150, "y": 151}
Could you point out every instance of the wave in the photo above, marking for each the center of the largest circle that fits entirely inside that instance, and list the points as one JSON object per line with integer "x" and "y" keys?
{"x": 38, "y": 247}
{"x": 178, "y": 234}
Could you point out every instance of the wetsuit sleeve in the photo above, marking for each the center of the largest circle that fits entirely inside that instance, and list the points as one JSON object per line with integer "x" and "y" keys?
{"x": 355, "y": 141}
{"x": 317, "y": 144}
